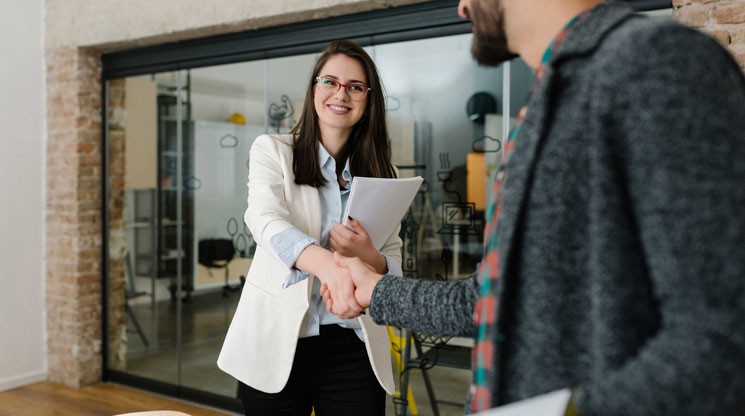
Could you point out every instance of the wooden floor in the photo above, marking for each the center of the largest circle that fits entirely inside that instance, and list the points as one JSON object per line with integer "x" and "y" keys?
{"x": 52, "y": 399}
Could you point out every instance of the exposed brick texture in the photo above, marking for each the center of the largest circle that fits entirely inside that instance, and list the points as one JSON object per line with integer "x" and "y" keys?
{"x": 729, "y": 12}
{"x": 724, "y": 20}
{"x": 117, "y": 238}
{"x": 73, "y": 221}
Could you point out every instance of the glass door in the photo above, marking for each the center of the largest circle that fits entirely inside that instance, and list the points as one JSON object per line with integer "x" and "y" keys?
{"x": 151, "y": 235}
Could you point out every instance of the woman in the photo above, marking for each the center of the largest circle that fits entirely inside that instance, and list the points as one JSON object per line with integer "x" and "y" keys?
{"x": 288, "y": 352}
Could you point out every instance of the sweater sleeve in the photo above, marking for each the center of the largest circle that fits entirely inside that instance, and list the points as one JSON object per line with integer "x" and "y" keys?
{"x": 438, "y": 308}
{"x": 676, "y": 102}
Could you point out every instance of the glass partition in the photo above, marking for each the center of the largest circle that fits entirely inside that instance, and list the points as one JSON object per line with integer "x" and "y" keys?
{"x": 178, "y": 164}
{"x": 228, "y": 103}
{"x": 149, "y": 134}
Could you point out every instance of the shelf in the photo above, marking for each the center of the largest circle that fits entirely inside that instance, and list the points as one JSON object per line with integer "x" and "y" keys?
{"x": 173, "y": 119}
{"x": 137, "y": 224}
{"x": 168, "y": 165}
{"x": 164, "y": 223}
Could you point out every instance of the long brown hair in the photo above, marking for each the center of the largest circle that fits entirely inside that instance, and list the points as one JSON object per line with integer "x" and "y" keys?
{"x": 367, "y": 148}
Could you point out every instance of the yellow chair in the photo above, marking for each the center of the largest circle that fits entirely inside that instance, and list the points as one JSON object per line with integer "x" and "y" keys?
{"x": 397, "y": 345}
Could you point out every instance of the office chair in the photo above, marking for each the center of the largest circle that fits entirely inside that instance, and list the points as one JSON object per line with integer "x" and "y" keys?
{"x": 216, "y": 253}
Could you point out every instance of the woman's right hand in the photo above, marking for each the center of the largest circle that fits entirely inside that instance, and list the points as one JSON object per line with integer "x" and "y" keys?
{"x": 319, "y": 261}
{"x": 341, "y": 288}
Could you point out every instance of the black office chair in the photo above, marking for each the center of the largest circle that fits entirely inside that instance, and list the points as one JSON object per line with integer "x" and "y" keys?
{"x": 131, "y": 293}
{"x": 216, "y": 253}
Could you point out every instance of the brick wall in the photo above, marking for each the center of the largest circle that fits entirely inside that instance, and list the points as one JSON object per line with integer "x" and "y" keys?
{"x": 74, "y": 218}
{"x": 73, "y": 221}
{"x": 724, "y": 20}
{"x": 117, "y": 118}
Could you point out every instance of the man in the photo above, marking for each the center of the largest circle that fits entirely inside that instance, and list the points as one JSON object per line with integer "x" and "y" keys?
{"x": 615, "y": 253}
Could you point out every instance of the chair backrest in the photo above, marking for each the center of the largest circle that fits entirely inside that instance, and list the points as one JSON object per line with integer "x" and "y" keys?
{"x": 215, "y": 249}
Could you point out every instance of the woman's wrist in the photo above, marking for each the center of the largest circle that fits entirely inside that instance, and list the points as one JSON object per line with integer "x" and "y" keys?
{"x": 316, "y": 260}
{"x": 378, "y": 261}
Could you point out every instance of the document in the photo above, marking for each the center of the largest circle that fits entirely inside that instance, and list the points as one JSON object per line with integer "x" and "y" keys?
{"x": 549, "y": 404}
{"x": 380, "y": 204}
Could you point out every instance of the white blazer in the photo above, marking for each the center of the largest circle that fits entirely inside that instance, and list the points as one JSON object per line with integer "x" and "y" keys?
{"x": 260, "y": 345}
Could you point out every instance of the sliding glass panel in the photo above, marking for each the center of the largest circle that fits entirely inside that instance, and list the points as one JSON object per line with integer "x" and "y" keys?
{"x": 228, "y": 114}
{"x": 143, "y": 135}
{"x": 445, "y": 120}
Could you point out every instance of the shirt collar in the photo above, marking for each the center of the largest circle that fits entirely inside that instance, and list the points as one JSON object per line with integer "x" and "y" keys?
{"x": 324, "y": 158}
{"x": 328, "y": 162}
{"x": 588, "y": 33}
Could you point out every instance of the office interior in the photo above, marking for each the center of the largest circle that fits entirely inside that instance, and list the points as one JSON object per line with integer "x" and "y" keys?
{"x": 179, "y": 142}
{"x": 204, "y": 121}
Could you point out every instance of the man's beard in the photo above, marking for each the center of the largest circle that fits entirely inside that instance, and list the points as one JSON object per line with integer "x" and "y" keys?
{"x": 489, "y": 40}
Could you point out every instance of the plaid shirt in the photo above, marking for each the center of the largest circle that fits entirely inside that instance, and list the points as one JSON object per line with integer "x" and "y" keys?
{"x": 483, "y": 383}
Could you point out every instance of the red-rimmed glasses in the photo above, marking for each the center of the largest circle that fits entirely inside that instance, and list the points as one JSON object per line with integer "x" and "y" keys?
{"x": 356, "y": 91}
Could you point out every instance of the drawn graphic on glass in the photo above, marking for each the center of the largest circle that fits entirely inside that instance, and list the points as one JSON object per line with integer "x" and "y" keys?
{"x": 228, "y": 141}
{"x": 457, "y": 217}
{"x": 192, "y": 183}
{"x": 242, "y": 241}
{"x": 392, "y": 104}
{"x": 478, "y": 145}
{"x": 409, "y": 230}
{"x": 445, "y": 175}
{"x": 279, "y": 112}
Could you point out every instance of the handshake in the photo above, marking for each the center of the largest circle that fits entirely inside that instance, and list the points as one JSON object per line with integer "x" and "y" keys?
{"x": 348, "y": 287}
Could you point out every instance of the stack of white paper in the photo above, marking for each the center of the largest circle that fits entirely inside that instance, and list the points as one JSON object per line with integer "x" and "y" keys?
{"x": 549, "y": 404}
{"x": 379, "y": 204}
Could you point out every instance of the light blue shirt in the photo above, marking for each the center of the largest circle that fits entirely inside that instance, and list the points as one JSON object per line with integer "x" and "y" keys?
{"x": 289, "y": 243}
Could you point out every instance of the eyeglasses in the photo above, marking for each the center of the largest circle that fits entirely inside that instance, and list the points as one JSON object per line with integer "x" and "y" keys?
{"x": 357, "y": 91}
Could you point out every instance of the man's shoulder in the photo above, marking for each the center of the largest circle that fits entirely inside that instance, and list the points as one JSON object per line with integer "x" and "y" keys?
{"x": 657, "y": 48}
{"x": 643, "y": 39}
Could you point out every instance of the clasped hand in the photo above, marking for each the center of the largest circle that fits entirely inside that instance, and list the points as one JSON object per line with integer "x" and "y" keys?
{"x": 348, "y": 292}
{"x": 347, "y": 295}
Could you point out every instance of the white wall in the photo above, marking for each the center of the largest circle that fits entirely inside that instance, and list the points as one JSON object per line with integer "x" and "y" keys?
{"x": 22, "y": 142}
{"x": 115, "y": 23}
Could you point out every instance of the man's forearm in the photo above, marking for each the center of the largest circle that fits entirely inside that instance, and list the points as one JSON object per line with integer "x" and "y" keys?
{"x": 438, "y": 308}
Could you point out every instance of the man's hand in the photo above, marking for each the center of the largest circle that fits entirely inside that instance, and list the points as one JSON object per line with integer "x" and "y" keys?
{"x": 319, "y": 261}
{"x": 363, "y": 275}
{"x": 341, "y": 294}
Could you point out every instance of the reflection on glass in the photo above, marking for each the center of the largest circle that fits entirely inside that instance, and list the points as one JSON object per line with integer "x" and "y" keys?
{"x": 228, "y": 103}
{"x": 142, "y": 168}
{"x": 445, "y": 124}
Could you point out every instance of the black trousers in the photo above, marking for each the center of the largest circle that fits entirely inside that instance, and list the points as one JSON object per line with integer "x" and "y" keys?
{"x": 331, "y": 374}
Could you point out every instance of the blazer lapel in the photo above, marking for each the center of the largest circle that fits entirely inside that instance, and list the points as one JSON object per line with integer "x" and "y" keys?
{"x": 520, "y": 168}
{"x": 585, "y": 36}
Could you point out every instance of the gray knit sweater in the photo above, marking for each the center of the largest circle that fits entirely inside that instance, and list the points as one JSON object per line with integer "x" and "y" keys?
{"x": 624, "y": 232}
